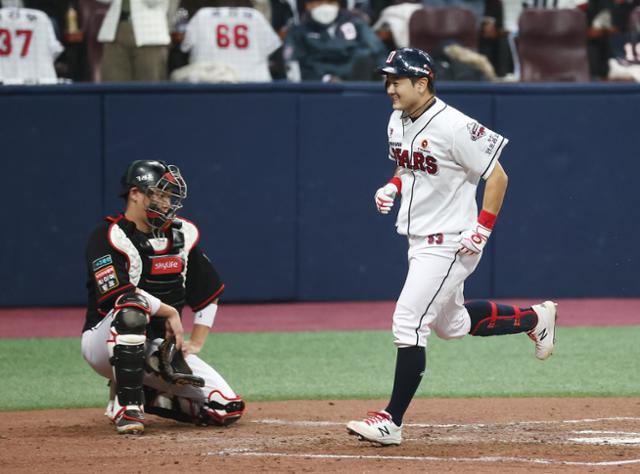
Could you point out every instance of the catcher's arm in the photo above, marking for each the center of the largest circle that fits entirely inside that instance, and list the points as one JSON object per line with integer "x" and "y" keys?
{"x": 203, "y": 320}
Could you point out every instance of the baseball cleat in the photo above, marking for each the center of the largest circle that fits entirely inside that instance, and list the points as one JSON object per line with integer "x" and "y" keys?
{"x": 377, "y": 428}
{"x": 544, "y": 334}
{"x": 130, "y": 421}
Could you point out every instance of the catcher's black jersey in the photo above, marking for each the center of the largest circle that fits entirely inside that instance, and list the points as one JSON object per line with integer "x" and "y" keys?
{"x": 120, "y": 258}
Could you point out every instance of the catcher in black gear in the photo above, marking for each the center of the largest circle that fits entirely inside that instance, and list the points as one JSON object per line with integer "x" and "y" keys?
{"x": 143, "y": 266}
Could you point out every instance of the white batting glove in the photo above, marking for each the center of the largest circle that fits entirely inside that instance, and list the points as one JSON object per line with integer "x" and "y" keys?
{"x": 472, "y": 242}
{"x": 386, "y": 194}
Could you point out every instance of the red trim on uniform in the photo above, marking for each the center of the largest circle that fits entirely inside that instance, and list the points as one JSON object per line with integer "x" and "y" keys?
{"x": 397, "y": 182}
{"x": 487, "y": 219}
{"x": 488, "y": 318}
{"x": 208, "y": 300}
{"x": 115, "y": 290}
{"x": 517, "y": 316}
{"x": 494, "y": 315}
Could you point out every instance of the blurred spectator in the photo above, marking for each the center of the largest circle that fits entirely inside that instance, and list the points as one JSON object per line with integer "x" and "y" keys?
{"x": 332, "y": 44}
{"x": 28, "y": 46}
{"x": 625, "y": 65}
{"x": 135, "y": 34}
{"x": 237, "y": 37}
{"x": 476, "y": 6}
{"x": 493, "y": 38}
{"x": 393, "y": 24}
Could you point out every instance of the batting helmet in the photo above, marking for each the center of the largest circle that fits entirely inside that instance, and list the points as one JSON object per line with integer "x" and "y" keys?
{"x": 409, "y": 62}
{"x": 163, "y": 183}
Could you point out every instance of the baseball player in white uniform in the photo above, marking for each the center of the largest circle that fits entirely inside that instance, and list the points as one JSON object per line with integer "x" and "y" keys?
{"x": 440, "y": 155}
{"x": 28, "y": 46}
{"x": 238, "y": 37}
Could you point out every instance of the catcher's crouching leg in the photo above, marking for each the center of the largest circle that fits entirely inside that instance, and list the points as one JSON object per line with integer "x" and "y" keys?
{"x": 221, "y": 410}
{"x": 126, "y": 348}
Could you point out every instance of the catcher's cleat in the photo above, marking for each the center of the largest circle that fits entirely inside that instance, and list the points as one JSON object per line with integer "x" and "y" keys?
{"x": 544, "y": 334}
{"x": 130, "y": 420}
{"x": 221, "y": 410}
{"x": 378, "y": 427}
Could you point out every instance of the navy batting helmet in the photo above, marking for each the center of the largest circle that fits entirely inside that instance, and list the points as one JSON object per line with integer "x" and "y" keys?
{"x": 409, "y": 62}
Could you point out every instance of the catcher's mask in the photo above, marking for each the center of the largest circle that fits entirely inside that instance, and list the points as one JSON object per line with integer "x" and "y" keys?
{"x": 163, "y": 185}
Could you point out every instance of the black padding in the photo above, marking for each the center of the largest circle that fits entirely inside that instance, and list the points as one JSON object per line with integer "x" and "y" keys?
{"x": 130, "y": 320}
{"x": 128, "y": 362}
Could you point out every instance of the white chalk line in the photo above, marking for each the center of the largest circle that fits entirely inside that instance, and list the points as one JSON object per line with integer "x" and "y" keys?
{"x": 487, "y": 459}
{"x": 309, "y": 423}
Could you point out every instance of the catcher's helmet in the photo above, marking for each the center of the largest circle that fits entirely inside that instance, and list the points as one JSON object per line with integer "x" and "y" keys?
{"x": 163, "y": 183}
{"x": 409, "y": 62}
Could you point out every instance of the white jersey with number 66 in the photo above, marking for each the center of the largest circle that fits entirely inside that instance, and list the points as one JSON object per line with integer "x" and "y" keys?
{"x": 239, "y": 37}
{"x": 28, "y": 46}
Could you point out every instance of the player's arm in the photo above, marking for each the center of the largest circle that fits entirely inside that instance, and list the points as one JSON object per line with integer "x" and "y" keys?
{"x": 203, "y": 289}
{"x": 472, "y": 241}
{"x": 494, "y": 190}
{"x": 385, "y": 195}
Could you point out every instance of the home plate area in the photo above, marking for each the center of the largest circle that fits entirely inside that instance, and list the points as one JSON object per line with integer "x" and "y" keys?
{"x": 481, "y": 435}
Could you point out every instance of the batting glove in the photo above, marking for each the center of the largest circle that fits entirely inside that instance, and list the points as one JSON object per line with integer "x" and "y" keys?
{"x": 472, "y": 242}
{"x": 386, "y": 194}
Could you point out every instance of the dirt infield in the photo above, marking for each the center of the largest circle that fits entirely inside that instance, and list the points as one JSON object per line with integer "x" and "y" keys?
{"x": 461, "y": 435}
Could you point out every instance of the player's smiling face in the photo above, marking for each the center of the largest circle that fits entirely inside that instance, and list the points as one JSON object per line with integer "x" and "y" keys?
{"x": 404, "y": 94}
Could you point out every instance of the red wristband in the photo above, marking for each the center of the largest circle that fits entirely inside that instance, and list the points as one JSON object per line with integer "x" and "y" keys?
{"x": 487, "y": 219}
{"x": 397, "y": 181}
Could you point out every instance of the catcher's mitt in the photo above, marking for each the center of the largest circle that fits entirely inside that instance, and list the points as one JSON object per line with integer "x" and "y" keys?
{"x": 170, "y": 364}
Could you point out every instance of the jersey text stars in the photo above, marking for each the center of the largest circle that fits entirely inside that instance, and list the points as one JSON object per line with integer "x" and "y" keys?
{"x": 418, "y": 161}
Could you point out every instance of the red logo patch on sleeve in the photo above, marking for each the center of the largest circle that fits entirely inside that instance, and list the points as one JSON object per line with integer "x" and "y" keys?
{"x": 106, "y": 279}
{"x": 166, "y": 265}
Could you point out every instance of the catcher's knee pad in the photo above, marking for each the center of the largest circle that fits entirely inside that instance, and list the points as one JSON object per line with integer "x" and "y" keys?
{"x": 221, "y": 410}
{"x": 131, "y": 315}
{"x": 126, "y": 346}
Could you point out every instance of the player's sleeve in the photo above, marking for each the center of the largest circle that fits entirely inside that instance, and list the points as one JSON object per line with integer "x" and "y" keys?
{"x": 477, "y": 148}
{"x": 269, "y": 39}
{"x": 203, "y": 283}
{"x": 55, "y": 48}
{"x": 107, "y": 269}
{"x": 189, "y": 39}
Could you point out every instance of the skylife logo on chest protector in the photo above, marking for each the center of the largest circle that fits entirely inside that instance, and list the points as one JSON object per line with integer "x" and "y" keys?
{"x": 166, "y": 265}
{"x": 418, "y": 162}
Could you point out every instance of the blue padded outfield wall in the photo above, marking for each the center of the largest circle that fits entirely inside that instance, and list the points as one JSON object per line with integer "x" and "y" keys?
{"x": 281, "y": 182}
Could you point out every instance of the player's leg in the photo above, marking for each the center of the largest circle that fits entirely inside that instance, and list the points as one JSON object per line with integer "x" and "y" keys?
{"x": 214, "y": 404}
{"x": 435, "y": 270}
{"x": 127, "y": 355}
{"x": 538, "y": 321}
{"x": 116, "y": 59}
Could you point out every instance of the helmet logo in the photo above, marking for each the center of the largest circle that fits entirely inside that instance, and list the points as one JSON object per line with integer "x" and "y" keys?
{"x": 391, "y": 56}
{"x": 144, "y": 177}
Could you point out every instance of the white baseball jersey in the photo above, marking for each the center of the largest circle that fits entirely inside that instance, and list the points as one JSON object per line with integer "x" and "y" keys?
{"x": 239, "y": 37}
{"x": 445, "y": 153}
{"x": 28, "y": 45}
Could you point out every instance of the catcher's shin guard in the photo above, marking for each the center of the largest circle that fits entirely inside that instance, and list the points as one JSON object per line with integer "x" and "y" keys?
{"x": 126, "y": 348}
{"x": 221, "y": 410}
{"x": 491, "y": 319}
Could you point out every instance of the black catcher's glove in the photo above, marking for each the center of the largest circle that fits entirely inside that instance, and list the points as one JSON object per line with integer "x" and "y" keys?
{"x": 170, "y": 364}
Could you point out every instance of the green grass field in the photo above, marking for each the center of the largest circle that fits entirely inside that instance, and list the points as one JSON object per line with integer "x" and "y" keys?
{"x": 50, "y": 373}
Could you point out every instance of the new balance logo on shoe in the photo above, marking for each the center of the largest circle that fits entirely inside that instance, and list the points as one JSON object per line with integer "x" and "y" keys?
{"x": 542, "y": 334}
{"x": 384, "y": 431}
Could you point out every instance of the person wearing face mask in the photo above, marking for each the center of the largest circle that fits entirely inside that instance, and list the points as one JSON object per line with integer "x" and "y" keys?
{"x": 331, "y": 44}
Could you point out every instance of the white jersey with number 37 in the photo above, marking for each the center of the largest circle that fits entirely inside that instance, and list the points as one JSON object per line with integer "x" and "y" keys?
{"x": 28, "y": 45}
{"x": 239, "y": 37}
{"x": 444, "y": 154}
